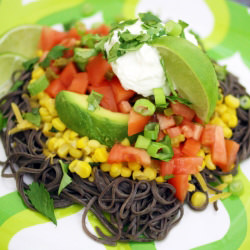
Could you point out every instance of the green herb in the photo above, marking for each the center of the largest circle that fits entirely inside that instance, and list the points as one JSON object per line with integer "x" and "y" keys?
{"x": 168, "y": 176}
{"x": 54, "y": 53}
{"x": 40, "y": 199}
{"x": 28, "y": 65}
{"x": 94, "y": 100}
{"x": 33, "y": 117}
{"x": 90, "y": 40}
{"x": 184, "y": 25}
{"x": 149, "y": 19}
{"x": 16, "y": 85}
{"x": 121, "y": 25}
{"x": 178, "y": 119}
{"x": 82, "y": 55}
{"x": 168, "y": 112}
{"x": 144, "y": 107}
{"x": 174, "y": 98}
{"x": 3, "y": 121}
{"x": 142, "y": 142}
{"x": 99, "y": 46}
{"x": 66, "y": 180}
{"x": 38, "y": 86}
{"x": 67, "y": 26}
{"x": 53, "y": 130}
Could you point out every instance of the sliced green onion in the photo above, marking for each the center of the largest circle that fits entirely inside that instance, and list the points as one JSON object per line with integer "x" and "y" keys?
{"x": 142, "y": 142}
{"x": 178, "y": 119}
{"x": 245, "y": 102}
{"x": 172, "y": 28}
{"x": 89, "y": 40}
{"x": 94, "y": 100}
{"x": 82, "y": 55}
{"x": 151, "y": 130}
{"x": 168, "y": 176}
{"x": 160, "y": 99}
{"x": 236, "y": 187}
{"x": 168, "y": 112}
{"x": 144, "y": 107}
{"x": 38, "y": 86}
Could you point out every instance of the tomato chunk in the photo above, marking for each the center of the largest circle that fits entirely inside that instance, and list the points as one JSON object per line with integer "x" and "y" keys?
{"x": 173, "y": 132}
{"x": 183, "y": 110}
{"x": 97, "y": 68}
{"x": 68, "y": 74}
{"x": 165, "y": 121}
{"x": 124, "y": 107}
{"x": 120, "y": 153}
{"x": 120, "y": 93}
{"x": 102, "y": 30}
{"x": 136, "y": 122}
{"x": 208, "y": 134}
{"x": 177, "y": 152}
{"x": 54, "y": 88}
{"x": 219, "y": 153}
{"x": 180, "y": 182}
{"x": 79, "y": 83}
{"x": 197, "y": 131}
{"x": 191, "y": 147}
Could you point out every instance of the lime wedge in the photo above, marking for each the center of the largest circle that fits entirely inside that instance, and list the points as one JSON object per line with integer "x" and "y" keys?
{"x": 192, "y": 73}
{"x": 9, "y": 62}
{"x": 22, "y": 40}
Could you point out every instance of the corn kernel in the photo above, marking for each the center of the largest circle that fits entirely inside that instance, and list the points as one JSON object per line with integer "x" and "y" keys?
{"x": 221, "y": 109}
{"x": 226, "y": 117}
{"x": 126, "y": 172}
{"x": 191, "y": 187}
{"x": 150, "y": 173}
{"x": 72, "y": 165}
{"x": 105, "y": 167}
{"x": 232, "y": 111}
{"x": 46, "y": 129}
{"x": 94, "y": 144}
{"x": 66, "y": 135}
{"x": 175, "y": 142}
{"x": 160, "y": 179}
{"x": 198, "y": 199}
{"x": 218, "y": 121}
{"x": 134, "y": 166}
{"x": 42, "y": 95}
{"x": 58, "y": 124}
{"x": 233, "y": 121}
{"x": 219, "y": 101}
{"x": 189, "y": 177}
{"x": 125, "y": 142}
{"x": 58, "y": 142}
{"x": 32, "y": 80}
{"x": 47, "y": 118}
{"x": 138, "y": 175}
{"x": 115, "y": 169}
{"x": 100, "y": 155}
{"x": 63, "y": 150}
{"x": 88, "y": 159}
{"x": 205, "y": 149}
{"x": 58, "y": 134}
{"x": 227, "y": 132}
{"x": 73, "y": 135}
{"x": 83, "y": 169}
{"x": 209, "y": 164}
{"x": 232, "y": 101}
{"x": 91, "y": 178}
{"x": 227, "y": 178}
{"x": 37, "y": 73}
{"x": 51, "y": 144}
{"x": 82, "y": 142}
{"x": 43, "y": 112}
{"x": 75, "y": 153}
{"x": 87, "y": 150}
{"x": 201, "y": 153}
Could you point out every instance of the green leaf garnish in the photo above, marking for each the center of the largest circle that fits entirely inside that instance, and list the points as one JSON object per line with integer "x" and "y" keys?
{"x": 66, "y": 180}
{"x": 94, "y": 100}
{"x": 174, "y": 98}
{"x": 3, "y": 121}
{"x": 28, "y": 65}
{"x": 90, "y": 40}
{"x": 33, "y": 117}
{"x": 168, "y": 176}
{"x": 53, "y": 130}
{"x": 54, "y": 53}
{"x": 121, "y": 25}
{"x": 149, "y": 19}
{"x": 40, "y": 199}
{"x": 16, "y": 85}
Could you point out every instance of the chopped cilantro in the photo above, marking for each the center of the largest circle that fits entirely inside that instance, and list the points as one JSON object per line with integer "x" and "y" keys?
{"x": 174, "y": 98}
{"x": 66, "y": 180}
{"x": 16, "y": 85}
{"x": 94, "y": 100}
{"x": 28, "y": 65}
{"x": 121, "y": 25}
{"x": 40, "y": 199}
{"x": 168, "y": 176}
{"x": 90, "y": 40}
{"x": 149, "y": 19}
{"x": 33, "y": 117}
{"x": 54, "y": 53}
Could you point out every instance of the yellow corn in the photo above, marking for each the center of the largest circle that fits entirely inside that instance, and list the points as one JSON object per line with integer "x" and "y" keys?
{"x": 126, "y": 172}
{"x": 191, "y": 187}
{"x": 189, "y": 177}
{"x": 150, "y": 173}
{"x": 208, "y": 162}
{"x": 232, "y": 101}
{"x": 202, "y": 166}
{"x": 66, "y": 134}
{"x": 58, "y": 134}
{"x": 134, "y": 166}
{"x": 37, "y": 73}
{"x": 218, "y": 121}
{"x": 82, "y": 142}
{"x": 59, "y": 142}
{"x": 221, "y": 109}
{"x": 51, "y": 144}
{"x": 115, "y": 169}
{"x": 47, "y": 118}
{"x": 125, "y": 142}
{"x": 87, "y": 159}
{"x": 226, "y": 117}
{"x": 63, "y": 150}
{"x": 105, "y": 167}
{"x": 206, "y": 149}
{"x": 42, "y": 95}
{"x": 39, "y": 53}
{"x": 177, "y": 140}
{"x": 198, "y": 199}
{"x": 72, "y": 165}
{"x": 159, "y": 179}
{"x": 227, "y": 178}
{"x": 138, "y": 175}
{"x": 32, "y": 80}
{"x": 201, "y": 153}
{"x": 46, "y": 129}
{"x": 228, "y": 133}
{"x": 83, "y": 169}
{"x": 43, "y": 112}
{"x": 73, "y": 135}
{"x": 75, "y": 153}
{"x": 58, "y": 124}
{"x": 232, "y": 111}
{"x": 94, "y": 144}
{"x": 87, "y": 150}
{"x": 100, "y": 155}
{"x": 233, "y": 121}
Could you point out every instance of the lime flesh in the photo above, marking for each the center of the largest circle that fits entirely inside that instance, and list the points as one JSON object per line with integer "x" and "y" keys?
{"x": 22, "y": 40}
{"x": 9, "y": 63}
{"x": 192, "y": 73}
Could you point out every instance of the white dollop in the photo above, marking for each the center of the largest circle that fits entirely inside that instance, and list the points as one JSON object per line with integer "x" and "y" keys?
{"x": 140, "y": 70}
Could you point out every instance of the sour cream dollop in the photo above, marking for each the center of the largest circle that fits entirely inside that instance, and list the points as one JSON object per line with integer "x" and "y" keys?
{"x": 140, "y": 70}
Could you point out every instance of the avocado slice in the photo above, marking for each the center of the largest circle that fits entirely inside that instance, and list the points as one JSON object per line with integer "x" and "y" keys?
{"x": 103, "y": 125}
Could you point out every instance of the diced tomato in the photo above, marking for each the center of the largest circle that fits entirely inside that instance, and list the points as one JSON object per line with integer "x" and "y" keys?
{"x": 183, "y": 110}
{"x": 197, "y": 131}
{"x": 161, "y": 136}
{"x": 177, "y": 152}
{"x": 68, "y": 42}
{"x": 50, "y": 38}
{"x": 102, "y": 30}
{"x": 167, "y": 168}
{"x": 55, "y": 69}
{"x": 173, "y": 132}
{"x": 97, "y": 67}
{"x": 232, "y": 149}
{"x": 187, "y": 131}
{"x": 120, "y": 153}
{"x": 120, "y": 93}
{"x": 165, "y": 121}
{"x": 219, "y": 153}
{"x": 136, "y": 122}
{"x": 54, "y": 88}
{"x": 108, "y": 99}
{"x": 72, "y": 33}
{"x": 198, "y": 120}
{"x": 208, "y": 134}
{"x": 180, "y": 182}
{"x": 124, "y": 107}
{"x": 79, "y": 83}
{"x": 68, "y": 74}
{"x": 191, "y": 147}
